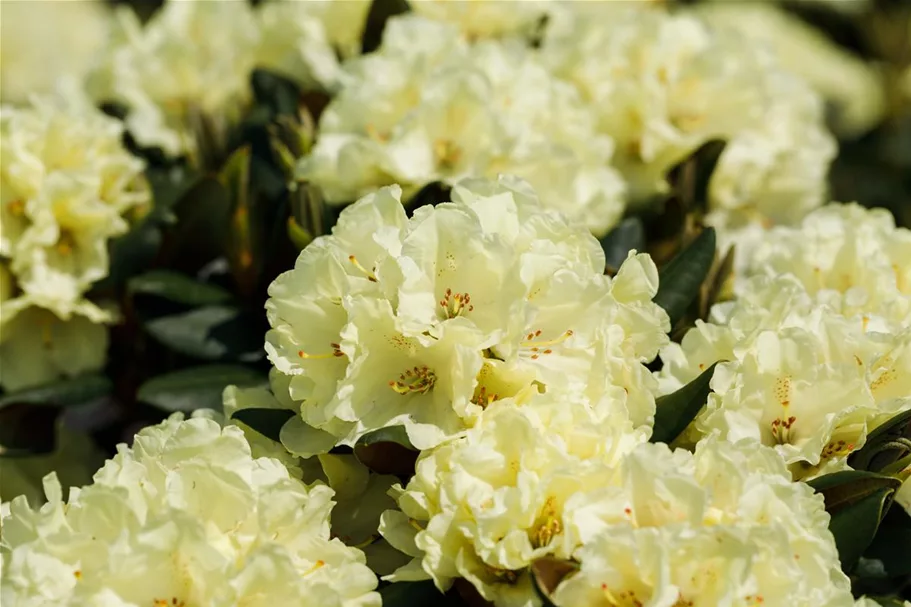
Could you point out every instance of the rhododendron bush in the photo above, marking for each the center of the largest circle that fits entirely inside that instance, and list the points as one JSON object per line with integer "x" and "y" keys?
{"x": 459, "y": 302}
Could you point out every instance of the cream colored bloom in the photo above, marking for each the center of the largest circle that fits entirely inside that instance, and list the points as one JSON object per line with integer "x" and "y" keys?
{"x": 649, "y": 526}
{"x": 37, "y": 346}
{"x": 438, "y": 109}
{"x": 774, "y": 174}
{"x": 66, "y": 183}
{"x": 429, "y": 321}
{"x": 42, "y": 43}
{"x": 724, "y": 524}
{"x": 483, "y": 507}
{"x": 186, "y": 516}
{"x": 851, "y": 258}
{"x": 662, "y": 85}
{"x": 175, "y": 72}
{"x": 302, "y": 39}
{"x": 854, "y": 87}
{"x": 816, "y": 341}
{"x": 486, "y": 18}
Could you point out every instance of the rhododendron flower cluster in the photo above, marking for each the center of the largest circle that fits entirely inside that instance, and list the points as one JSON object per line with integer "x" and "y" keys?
{"x": 817, "y": 340}
{"x": 67, "y": 184}
{"x": 645, "y": 524}
{"x": 429, "y": 321}
{"x": 184, "y": 517}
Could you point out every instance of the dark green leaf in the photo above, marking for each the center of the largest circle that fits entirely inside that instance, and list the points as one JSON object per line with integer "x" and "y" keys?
{"x": 712, "y": 288}
{"x": 682, "y": 278}
{"x": 380, "y": 12}
{"x": 844, "y": 488}
{"x": 170, "y": 184}
{"x": 547, "y": 573}
{"x": 857, "y": 501}
{"x": 196, "y": 387}
{"x": 279, "y": 94}
{"x": 199, "y": 235}
{"x": 854, "y": 526}
{"x": 211, "y": 333}
{"x": 408, "y": 594}
{"x": 267, "y": 422}
{"x": 64, "y": 393}
{"x": 887, "y": 445}
{"x": 690, "y": 179}
{"x": 178, "y": 288}
{"x": 392, "y": 434}
{"x": 675, "y": 411}
{"x": 627, "y": 235}
{"x": 136, "y": 250}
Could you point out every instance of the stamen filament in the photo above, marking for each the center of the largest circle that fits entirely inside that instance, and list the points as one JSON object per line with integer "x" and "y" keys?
{"x": 367, "y": 273}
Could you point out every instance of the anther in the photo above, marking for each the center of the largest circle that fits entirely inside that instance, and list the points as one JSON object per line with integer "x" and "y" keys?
{"x": 367, "y": 273}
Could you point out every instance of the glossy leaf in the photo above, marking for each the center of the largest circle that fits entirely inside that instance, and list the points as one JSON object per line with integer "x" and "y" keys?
{"x": 841, "y": 489}
{"x": 267, "y": 422}
{"x": 178, "y": 288}
{"x": 627, "y": 235}
{"x": 681, "y": 279}
{"x": 675, "y": 411}
{"x": 196, "y": 387}
{"x": 857, "y": 501}
{"x": 209, "y": 332}
{"x": 690, "y": 179}
{"x": 887, "y": 448}
{"x": 714, "y": 286}
{"x": 63, "y": 393}
{"x": 854, "y": 526}
{"x": 392, "y": 434}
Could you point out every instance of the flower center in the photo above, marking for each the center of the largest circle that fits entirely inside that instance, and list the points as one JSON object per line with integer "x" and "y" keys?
{"x": 454, "y": 304}
{"x": 548, "y": 527}
{"x": 66, "y": 243}
{"x": 781, "y": 429}
{"x": 418, "y": 380}
{"x": 837, "y": 449}
{"x": 447, "y": 153}
{"x": 539, "y": 348}
{"x": 483, "y": 399}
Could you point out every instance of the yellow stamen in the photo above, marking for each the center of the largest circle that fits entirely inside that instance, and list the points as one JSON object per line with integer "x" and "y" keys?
{"x": 418, "y": 380}
{"x": 336, "y": 352}
{"x": 454, "y": 304}
{"x": 367, "y": 273}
